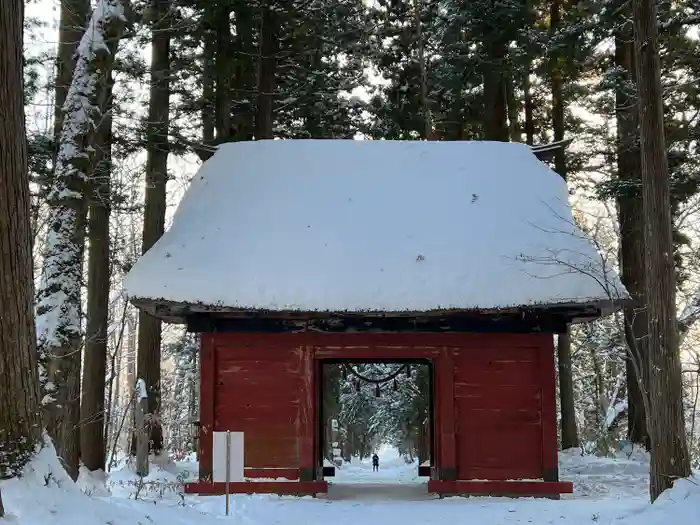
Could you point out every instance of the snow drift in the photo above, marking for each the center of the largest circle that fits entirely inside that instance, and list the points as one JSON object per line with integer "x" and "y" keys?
{"x": 45, "y": 495}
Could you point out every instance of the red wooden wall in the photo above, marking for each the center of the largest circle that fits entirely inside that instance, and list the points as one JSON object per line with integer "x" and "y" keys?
{"x": 505, "y": 408}
{"x": 494, "y": 406}
{"x": 264, "y": 388}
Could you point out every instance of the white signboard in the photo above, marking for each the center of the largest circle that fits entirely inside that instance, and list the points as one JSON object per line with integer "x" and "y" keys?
{"x": 235, "y": 459}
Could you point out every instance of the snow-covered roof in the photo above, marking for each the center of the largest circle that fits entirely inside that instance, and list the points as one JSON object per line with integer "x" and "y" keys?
{"x": 373, "y": 226}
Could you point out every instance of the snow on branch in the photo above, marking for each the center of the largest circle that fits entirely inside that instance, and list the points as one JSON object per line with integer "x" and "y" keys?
{"x": 58, "y": 296}
{"x": 594, "y": 264}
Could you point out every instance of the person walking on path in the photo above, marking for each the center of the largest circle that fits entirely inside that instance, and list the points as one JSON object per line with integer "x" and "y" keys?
{"x": 375, "y": 463}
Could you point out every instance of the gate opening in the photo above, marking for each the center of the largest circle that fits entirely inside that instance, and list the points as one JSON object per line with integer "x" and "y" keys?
{"x": 376, "y": 407}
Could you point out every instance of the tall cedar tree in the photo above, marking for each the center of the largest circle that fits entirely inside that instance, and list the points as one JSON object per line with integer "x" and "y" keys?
{"x": 74, "y": 16}
{"x": 222, "y": 65}
{"x": 631, "y": 216}
{"x": 569, "y": 434}
{"x": 20, "y": 427}
{"x": 59, "y": 294}
{"x": 267, "y": 64}
{"x": 149, "y": 353}
{"x": 92, "y": 407}
{"x": 669, "y": 450}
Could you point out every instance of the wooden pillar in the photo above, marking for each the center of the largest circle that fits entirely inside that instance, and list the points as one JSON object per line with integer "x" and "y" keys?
{"x": 550, "y": 459}
{"x": 307, "y": 414}
{"x": 207, "y": 392}
{"x": 445, "y": 415}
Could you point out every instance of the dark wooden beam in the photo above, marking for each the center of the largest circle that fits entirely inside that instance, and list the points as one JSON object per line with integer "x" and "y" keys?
{"x": 517, "y": 322}
{"x": 282, "y": 488}
{"x": 196, "y": 314}
{"x": 514, "y": 488}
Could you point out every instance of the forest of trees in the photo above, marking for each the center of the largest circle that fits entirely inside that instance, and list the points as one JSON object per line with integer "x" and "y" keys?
{"x": 98, "y": 139}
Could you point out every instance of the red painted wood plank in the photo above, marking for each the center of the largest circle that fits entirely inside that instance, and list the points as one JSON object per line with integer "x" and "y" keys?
{"x": 520, "y": 466}
{"x": 500, "y": 454}
{"x": 376, "y": 352}
{"x": 490, "y": 377}
{"x": 504, "y": 473}
{"x": 238, "y": 400}
{"x": 247, "y": 394}
{"x": 318, "y": 425}
{"x": 498, "y": 393}
{"x": 464, "y": 340}
{"x": 271, "y": 473}
{"x": 207, "y": 395}
{"x": 490, "y": 368}
{"x": 272, "y": 456}
{"x": 282, "y": 363}
{"x": 501, "y": 488}
{"x": 498, "y": 356}
{"x": 444, "y": 372}
{"x": 307, "y": 412}
{"x": 526, "y": 441}
{"x": 498, "y": 419}
{"x": 550, "y": 460}
{"x": 291, "y": 488}
{"x": 259, "y": 377}
{"x": 506, "y": 397}
{"x": 273, "y": 427}
{"x": 256, "y": 396}
{"x": 262, "y": 449}
{"x": 248, "y": 355}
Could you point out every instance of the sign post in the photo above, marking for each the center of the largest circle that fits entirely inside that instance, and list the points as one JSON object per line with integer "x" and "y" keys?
{"x": 228, "y": 461}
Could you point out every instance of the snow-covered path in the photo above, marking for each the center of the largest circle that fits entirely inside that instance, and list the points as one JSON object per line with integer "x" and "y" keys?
{"x": 395, "y": 481}
{"x": 606, "y": 491}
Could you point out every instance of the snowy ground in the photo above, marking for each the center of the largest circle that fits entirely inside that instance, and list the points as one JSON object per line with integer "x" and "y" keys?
{"x": 608, "y": 491}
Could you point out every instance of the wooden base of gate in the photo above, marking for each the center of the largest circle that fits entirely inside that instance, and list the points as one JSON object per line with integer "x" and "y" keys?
{"x": 515, "y": 488}
{"x": 283, "y": 488}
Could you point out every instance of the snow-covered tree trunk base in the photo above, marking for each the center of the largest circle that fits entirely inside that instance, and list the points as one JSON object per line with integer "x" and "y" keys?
{"x": 142, "y": 428}
{"x": 62, "y": 416}
{"x": 59, "y": 331}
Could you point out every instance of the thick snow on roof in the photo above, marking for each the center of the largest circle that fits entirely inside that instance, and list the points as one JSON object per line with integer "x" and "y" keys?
{"x": 391, "y": 226}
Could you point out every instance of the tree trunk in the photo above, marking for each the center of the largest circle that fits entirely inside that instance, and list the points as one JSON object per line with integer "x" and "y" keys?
{"x": 131, "y": 343}
{"x": 267, "y": 65}
{"x": 74, "y": 17}
{"x": 208, "y": 77}
{"x": 631, "y": 214}
{"x": 529, "y": 120}
{"x": 599, "y": 382}
{"x": 556, "y": 62}
{"x": 245, "y": 72}
{"x": 529, "y": 107}
{"x": 569, "y": 433}
{"x": 513, "y": 110}
{"x": 92, "y": 437}
{"x": 20, "y": 425}
{"x": 148, "y": 365}
{"x": 59, "y": 294}
{"x": 495, "y": 104}
{"x": 222, "y": 69}
{"x": 426, "y": 131}
{"x": 669, "y": 450}
{"x": 142, "y": 430}
{"x": 113, "y": 388}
